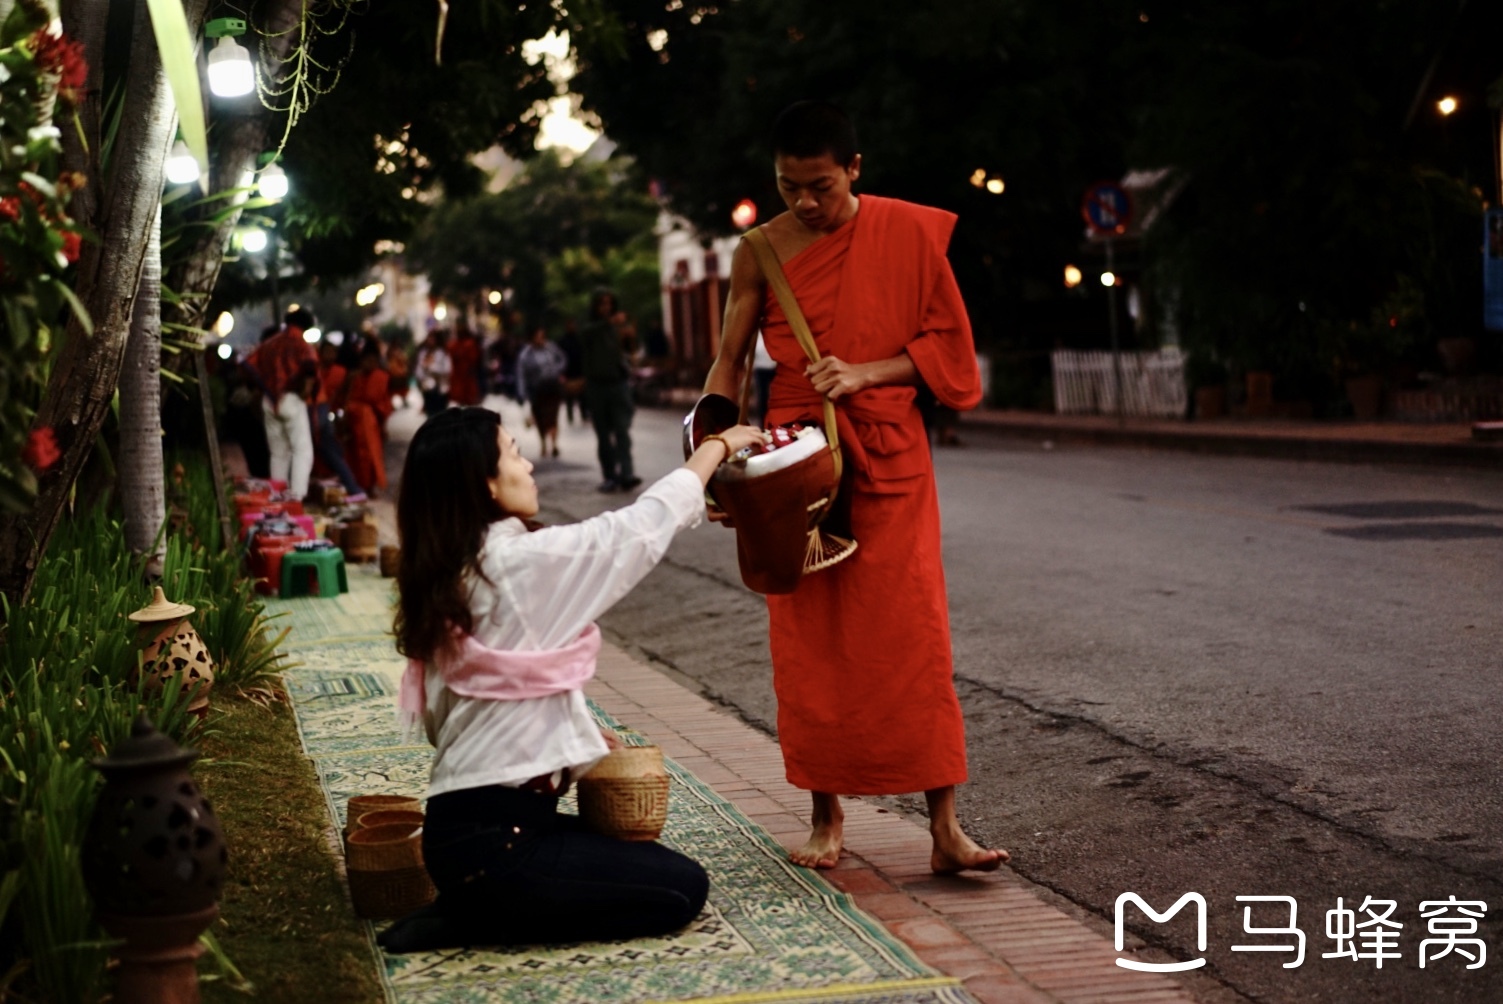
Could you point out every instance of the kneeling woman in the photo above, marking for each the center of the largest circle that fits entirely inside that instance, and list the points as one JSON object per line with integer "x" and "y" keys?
{"x": 497, "y": 620}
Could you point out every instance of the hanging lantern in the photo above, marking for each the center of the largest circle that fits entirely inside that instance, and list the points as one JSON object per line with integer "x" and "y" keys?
{"x": 153, "y": 861}
{"x": 170, "y": 648}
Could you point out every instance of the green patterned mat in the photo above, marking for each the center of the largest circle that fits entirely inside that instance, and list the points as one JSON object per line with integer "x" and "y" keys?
{"x": 771, "y": 932}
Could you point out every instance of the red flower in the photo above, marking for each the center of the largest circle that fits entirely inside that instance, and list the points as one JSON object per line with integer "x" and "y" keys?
{"x": 41, "y": 450}
{"x": 10, "y": 208}
{"x": 71, "y": 242}
{"x": 61, "y": 55}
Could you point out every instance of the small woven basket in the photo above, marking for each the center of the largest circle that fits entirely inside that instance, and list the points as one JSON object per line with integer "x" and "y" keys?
{"x": 361, "y": 805}
{"x": 385, "y": 867}
{"x": 390, "y": 847}
{"x": 626, "y": 794}
{"x": 387, "y": 895}
{"x": 391, "y": 560}
{"x": 358, "y": 542}
{"x": 386, "y": 817}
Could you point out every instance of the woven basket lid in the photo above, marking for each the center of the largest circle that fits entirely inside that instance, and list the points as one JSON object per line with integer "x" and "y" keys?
{"x": 160, "y": 609}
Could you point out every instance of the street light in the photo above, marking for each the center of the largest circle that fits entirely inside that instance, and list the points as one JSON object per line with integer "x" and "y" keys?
{"x": 1108, "y": 278}
{"x": 996, "y": 186}
{"x": 1447, "y": 105}
{"x": 440, "y": 312}
{"x": 253, "y": 239}
{"x": 182, "y": 168}
{"x": 1073, "y": 277}
{"x": 745, "y": 214}
{"x": 312, "y": 335}
{"x": 494, "y": 297}
{"x": 273, "y": 182}
{"x": 224, "y": 324}
{"x": 226, "y": 350}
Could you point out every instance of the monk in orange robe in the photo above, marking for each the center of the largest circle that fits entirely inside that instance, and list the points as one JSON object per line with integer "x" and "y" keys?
{"x": 464, "y": 355}
{"x": 861, "y": 651}
{"x": 367, "y": 405}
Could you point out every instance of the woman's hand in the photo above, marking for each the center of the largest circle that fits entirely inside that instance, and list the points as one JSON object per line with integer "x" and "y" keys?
{"x": 739, "y": 437}
{"x": 713, "y": 452}
{"x": 612, "y": 740}
{"x": 833, "y": 377}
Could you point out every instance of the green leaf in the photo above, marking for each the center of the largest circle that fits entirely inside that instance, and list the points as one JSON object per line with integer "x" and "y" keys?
{"x": 175, "y": 43}
{"x": 78, "y": 308}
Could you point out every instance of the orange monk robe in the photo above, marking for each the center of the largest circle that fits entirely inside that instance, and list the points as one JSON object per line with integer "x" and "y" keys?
{"x": 366, "y": 408}
{"x": 861, "y": 651}
{"x": 464, "y": 382}
{"x": 331, "y": 379}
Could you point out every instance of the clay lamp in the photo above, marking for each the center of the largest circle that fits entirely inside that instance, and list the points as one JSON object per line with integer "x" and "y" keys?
{"x": 153, "y": 861}
{"x": 171, "y": 649}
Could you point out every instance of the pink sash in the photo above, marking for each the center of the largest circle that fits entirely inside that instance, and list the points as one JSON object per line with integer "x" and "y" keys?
{"x": 491, "y": 674}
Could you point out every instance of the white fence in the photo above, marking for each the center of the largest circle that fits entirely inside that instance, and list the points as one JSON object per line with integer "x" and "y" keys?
{"x": 1153, "y": 383}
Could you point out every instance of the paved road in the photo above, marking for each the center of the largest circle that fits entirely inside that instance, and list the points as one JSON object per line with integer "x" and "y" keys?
{"x": 1185, "y": 673}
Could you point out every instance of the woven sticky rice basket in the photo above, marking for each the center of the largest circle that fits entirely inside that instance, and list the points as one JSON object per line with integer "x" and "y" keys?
{"x": 391, "y": 560}
{"x": 385, "y": 868}
{"x": 360, "y": 805}
{"x": 626, "y": 795}
{"x": 386, "y": 817}
{"x": 358, "y": 541}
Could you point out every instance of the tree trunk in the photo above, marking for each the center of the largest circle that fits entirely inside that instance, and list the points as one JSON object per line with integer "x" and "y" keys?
{"x": 140, "y": 471}
{"x": 86, "y": 370}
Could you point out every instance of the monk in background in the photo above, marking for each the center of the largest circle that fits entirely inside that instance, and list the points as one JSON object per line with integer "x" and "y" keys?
{"x": 367, "y": 405}
{"x": 464, "y": 356}
{"x": 861, "y": 654}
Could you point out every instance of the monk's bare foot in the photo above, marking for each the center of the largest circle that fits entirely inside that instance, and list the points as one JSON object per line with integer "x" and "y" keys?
{"x": 955, "y": 852}
{"x": 822, "y": 849}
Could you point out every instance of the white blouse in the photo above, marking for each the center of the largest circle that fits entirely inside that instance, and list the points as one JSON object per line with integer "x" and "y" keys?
{"x": 545, "y": 588}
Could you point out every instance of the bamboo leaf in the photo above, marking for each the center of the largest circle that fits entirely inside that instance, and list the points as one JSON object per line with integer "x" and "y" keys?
{"x": 175, "y": 43}
{"x": 79, "y": 310}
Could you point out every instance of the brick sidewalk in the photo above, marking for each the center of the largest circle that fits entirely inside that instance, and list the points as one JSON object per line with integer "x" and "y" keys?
{"x": 991, "y": 931}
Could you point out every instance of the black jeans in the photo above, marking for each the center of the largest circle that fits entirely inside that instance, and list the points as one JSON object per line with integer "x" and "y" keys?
{"x": 611, "y": 410}
{"x": 326, "y": 445}
{"x": 514, "y": 870}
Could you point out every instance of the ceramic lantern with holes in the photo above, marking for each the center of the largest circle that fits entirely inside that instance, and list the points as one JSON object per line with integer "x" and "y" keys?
{"x": 172, "y": 650}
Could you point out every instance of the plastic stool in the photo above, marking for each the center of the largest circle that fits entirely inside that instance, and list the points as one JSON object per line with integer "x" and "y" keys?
{"x": 318, "y": 573}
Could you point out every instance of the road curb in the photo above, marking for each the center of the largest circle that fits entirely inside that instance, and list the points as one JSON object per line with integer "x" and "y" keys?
{"x": 1326, "y": 445}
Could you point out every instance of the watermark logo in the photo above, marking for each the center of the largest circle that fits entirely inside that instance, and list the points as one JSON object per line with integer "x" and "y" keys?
{"x": 1162, "y": 918}
{"x": 1368, "y": 933}
{"x": 1292, "y": 929}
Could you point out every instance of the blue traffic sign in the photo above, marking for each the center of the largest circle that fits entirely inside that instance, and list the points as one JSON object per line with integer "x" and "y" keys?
{"x": 1107, "y": 209}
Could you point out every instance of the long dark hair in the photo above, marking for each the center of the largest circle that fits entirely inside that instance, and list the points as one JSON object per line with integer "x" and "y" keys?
{"x": 443, "y": 511}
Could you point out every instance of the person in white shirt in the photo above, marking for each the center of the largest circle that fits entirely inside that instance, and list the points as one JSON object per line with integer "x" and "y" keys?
{"x": 497, "y": 617}
{"x": 433, "y": 370}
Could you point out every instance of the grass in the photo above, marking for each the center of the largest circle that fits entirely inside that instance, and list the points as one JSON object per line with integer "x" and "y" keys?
{"x": 286, "y": 919}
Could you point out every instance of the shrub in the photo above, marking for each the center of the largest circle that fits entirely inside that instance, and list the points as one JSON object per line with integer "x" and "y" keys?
{"x": 66, "y": 658}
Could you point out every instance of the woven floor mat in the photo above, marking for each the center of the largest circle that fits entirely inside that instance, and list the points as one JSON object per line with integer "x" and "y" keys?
{"x": 771, "y": 932}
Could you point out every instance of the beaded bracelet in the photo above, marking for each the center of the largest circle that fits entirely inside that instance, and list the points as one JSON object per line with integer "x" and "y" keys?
{"x": 717, "y": 437}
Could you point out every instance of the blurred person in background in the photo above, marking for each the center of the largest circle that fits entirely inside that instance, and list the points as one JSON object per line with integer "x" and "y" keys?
{"x": 285, "y": 367}
{"x": 433, "y": 370}
{"x": 367, "y": 405}
{"x": 464, "y": 360}
{"x": 540, "y": 374}
{"x": 332, "y": 384}
{"x": 604, "y": 347}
